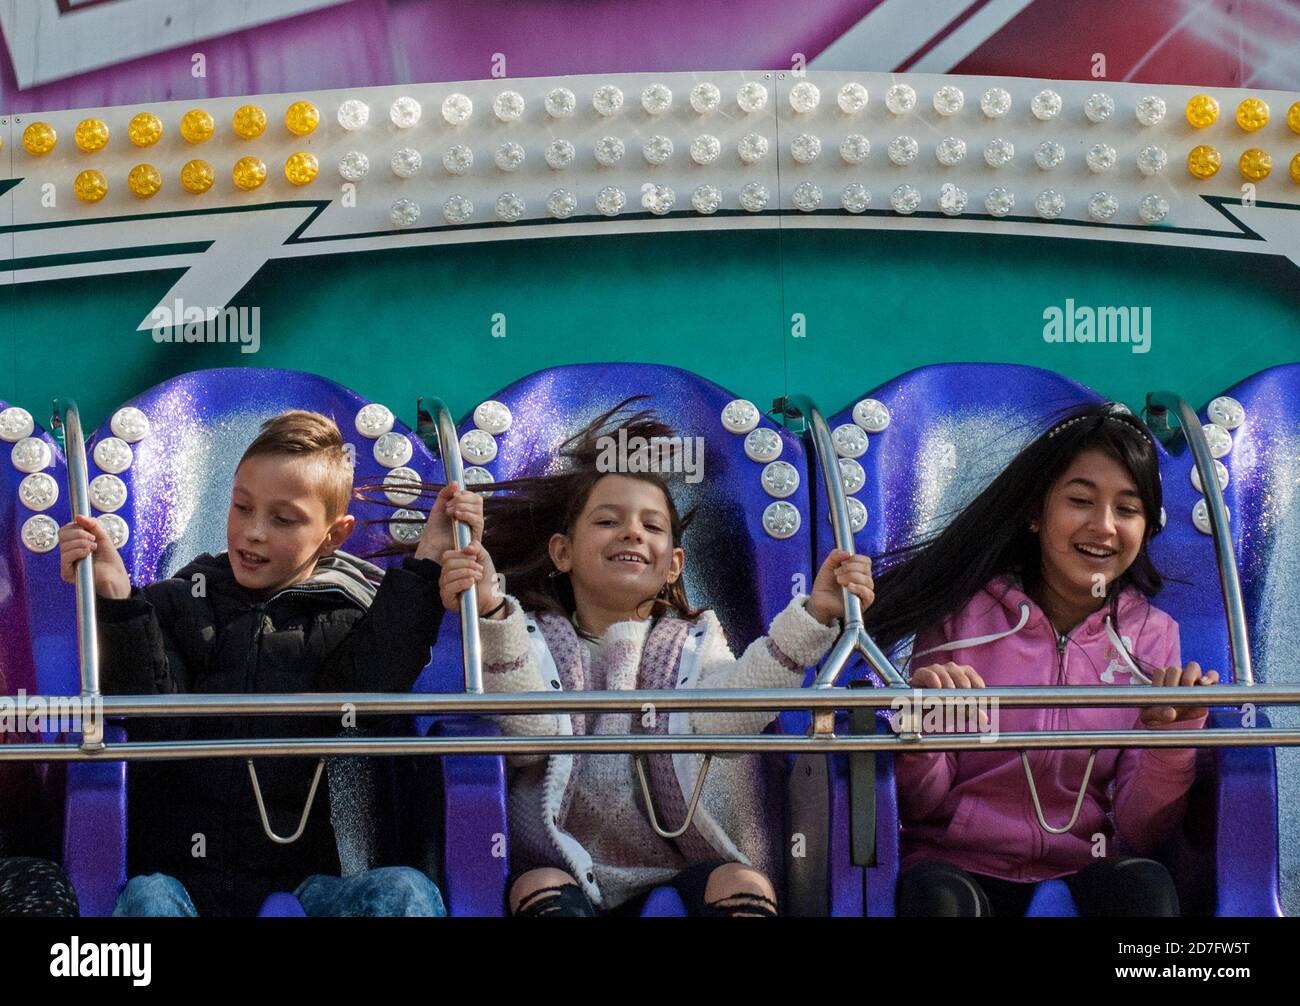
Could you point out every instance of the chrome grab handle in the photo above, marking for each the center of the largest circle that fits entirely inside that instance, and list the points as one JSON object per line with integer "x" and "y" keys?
{"x": 1160, "y": 403}
{"x": 854, "y": 638}
{"x": 638, "y": 760}
{"x": 306, "y": 811}
{"x": 1078, "y": 802}
{"x": 434, "y": 426}
{"x": 67, "y": 421}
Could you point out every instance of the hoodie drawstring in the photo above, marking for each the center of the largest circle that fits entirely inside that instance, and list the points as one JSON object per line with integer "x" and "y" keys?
{"x": 1122, "y": 650}
{"x": 980, "y": 640}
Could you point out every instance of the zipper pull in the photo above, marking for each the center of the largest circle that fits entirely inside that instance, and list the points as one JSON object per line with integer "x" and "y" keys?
{"x": 1061, "y": 641}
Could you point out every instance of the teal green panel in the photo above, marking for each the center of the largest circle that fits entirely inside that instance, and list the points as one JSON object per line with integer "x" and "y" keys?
{"x": 400, "y": 323}
{"x": 878, "y": 303}
{"x": 396, "y": 324}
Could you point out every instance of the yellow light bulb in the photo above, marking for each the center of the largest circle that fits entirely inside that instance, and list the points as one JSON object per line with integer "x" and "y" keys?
{"x": 1202, "y": 111}
{"x": 197, "y": 126}
{"x": 144, "y": 180}
{"x": 1255, "y": 164}
{"x": 301, "y": 168}
{"x": 145, "y": 129}
{"x": 39, "y": 138}
{"x": 91, "y": 135}
{"x": 301, "y": 117}
{"x": 197, "y": 176}
{"x": 91, "y": 186}
{"x": 1203, "y": 161}
{"x": 1293, "y": 117}
{"x": 248, "y": 173}
{"x": 1252, "y": 114}
{"x": 1295, "y": 169}
{"x": 249, "y": 122}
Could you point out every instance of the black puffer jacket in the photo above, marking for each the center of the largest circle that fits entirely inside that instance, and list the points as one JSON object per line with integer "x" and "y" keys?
{"x": 198, "y": 820}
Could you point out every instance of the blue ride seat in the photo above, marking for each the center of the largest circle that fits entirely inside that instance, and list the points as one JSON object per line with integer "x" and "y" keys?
{"x": 161, "y": 470}
{"x": 734, "y": 567}
{"x": 947, "y": 430}
{"x": 38, "y": 628}
{"x": 1262, "y": 465}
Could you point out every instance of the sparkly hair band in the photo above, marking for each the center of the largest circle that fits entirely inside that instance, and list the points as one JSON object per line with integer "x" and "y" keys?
{"x": 1114, "y": 410}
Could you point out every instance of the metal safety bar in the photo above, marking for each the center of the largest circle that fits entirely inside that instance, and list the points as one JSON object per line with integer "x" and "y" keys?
{"x": 434, "y": 426}
{"x": 1159, "y": 405}
{"x": 653, "y": 744}
{"x": 854, "y": 638}
{"x": 659, "y": 829}
{"x": 672, "y": 700}
{"x": 66, "y": 421}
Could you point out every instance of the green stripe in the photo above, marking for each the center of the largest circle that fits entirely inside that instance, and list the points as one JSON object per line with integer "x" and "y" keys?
{"x": 108, "y": 255}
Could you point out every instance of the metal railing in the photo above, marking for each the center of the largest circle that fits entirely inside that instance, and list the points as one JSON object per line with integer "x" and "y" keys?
{"x": 824, "y": 701}
{"x": 66, "y": 419}
{"x": 854, "y": 638}
{"x": 1159, "y": 405}
{"x": 434, "y": 426}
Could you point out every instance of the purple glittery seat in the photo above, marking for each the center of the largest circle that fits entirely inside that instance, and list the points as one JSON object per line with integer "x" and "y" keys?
{"x": 952, "y": 427}
{"x": 177, "y": 482}
{"x": 734, "y": 567}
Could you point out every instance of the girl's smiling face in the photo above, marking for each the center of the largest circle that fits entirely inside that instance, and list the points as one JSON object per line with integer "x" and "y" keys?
{"x": 620, "y": 551}
{"x": 1091, "y": 529}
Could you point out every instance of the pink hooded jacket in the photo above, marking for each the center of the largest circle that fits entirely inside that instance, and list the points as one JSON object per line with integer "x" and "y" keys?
{"x": 973, "y": 808}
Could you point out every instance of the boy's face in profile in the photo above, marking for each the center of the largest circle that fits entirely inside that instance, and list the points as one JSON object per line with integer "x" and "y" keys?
{"x": 277, "y": 526}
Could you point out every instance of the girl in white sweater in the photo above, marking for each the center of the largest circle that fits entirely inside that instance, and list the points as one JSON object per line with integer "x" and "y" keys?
{"x": 594, "y": 560}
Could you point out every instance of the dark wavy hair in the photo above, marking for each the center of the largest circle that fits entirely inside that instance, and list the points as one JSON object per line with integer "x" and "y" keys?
{"x": 522, "y": 514}
{"x": 922, "y": 582}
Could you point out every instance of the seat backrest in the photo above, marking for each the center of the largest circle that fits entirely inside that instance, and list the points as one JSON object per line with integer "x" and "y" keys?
{"x": 733, "y": 564}
{"x": 161, "y": 473}
{"x": 1263, "y": 498}
{"x": 168, "y": 459}
{"x": 38, "y": 629}
{"x": 953, "y": 427}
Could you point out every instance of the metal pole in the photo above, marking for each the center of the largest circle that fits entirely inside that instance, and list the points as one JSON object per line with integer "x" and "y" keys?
{"x": 67, "y": 419}
{"x": 694, "y": 700}
{"x": 651, "y": 743}
{"x": 435, "y": 427}
{"x": 1243, "y": 670}
{"x": 855, "y": 637}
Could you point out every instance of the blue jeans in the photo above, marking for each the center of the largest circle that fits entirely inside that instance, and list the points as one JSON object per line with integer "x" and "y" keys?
{"x": 388, "y": 891}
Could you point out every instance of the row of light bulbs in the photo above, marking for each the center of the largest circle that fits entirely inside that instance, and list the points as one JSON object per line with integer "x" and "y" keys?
{"x": 302, "y": 167}
{"x": 754, "y": 197}
{"x": 302, "y": 117}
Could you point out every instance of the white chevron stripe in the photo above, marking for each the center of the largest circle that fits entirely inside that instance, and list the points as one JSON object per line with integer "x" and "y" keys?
{"x": 897, "y": 28}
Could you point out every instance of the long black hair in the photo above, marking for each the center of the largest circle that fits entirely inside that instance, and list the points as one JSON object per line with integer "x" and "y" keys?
{"x": 522, "y": 514}
{"x": 922, "y": 582}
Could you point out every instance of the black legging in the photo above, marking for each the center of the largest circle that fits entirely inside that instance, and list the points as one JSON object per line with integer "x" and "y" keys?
{"x": 35, "y": 888}
{"x": 1121, "y": 887}
{"x": 690, "y": 885}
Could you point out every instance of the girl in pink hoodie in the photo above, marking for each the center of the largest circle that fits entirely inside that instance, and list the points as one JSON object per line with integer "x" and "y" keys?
{"x": 1044, "y": 579}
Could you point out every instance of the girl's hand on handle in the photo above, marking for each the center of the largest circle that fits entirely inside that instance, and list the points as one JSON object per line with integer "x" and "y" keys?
{"x": 947, "y": 675}
{"x": 840, "y": 570}
{"x": 84, "y": 537}
{"x": 452, "y": 503}
{"x": 1172, "y": 677}
{"x": 463, "y": 568}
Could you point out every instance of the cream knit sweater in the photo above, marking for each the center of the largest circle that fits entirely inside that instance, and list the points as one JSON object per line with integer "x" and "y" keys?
{"x": 585, "y": 815}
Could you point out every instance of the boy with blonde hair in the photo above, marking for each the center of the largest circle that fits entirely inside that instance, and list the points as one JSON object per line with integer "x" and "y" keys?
{"x": 281, "y": 610}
